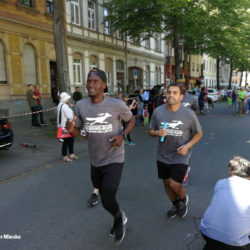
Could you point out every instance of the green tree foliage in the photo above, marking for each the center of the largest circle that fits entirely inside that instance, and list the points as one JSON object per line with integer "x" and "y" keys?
{"x": 219, "y": 28}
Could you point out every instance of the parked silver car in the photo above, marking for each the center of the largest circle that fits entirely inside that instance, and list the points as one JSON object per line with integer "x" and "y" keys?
{"x": 213, "y": 94}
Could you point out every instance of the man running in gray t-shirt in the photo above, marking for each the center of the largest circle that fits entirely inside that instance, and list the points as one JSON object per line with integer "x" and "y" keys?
{"x": 183, "y": 131}
{"x": 101, "y": 118}
{"x": 188, "y": 101}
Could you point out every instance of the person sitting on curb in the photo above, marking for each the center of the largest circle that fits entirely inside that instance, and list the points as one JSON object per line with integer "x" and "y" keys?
{"x": 226, "y": 222}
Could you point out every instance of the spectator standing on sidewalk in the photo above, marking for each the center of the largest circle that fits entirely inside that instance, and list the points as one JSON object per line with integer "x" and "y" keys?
{"x": 66, "y": 114}
{"x": 77, "y": 95}
{"x": 234, "y": 98}
{"x": 32, "y": 100}
{"x": 247, "y": 105}
{"x": 226, "y": 222}
{"x": 132, "y": 106}
{"x": 101, "y": 117}
{"x": 140, "y": 104}
{"x": 241, "y": 100}
{"x": 182, "y": 133}
{"x": 39, "y": 105}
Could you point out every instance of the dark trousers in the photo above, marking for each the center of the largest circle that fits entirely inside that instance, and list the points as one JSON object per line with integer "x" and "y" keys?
{"x": 34, "y": 117}
{"x": 40, "y": 108}
{"x": 212, "y": 244}
{"x": 129, "y": 138}
{"x": 107, "y": 179}
{"x": 68, "y": 144}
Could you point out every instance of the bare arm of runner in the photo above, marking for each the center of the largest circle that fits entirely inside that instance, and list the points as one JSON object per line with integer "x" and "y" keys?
{"x": 184, "y": 149}
{"x": 70, "y": 126}
{"x": 157, "y": 133}
{"x": 117, "y": 140}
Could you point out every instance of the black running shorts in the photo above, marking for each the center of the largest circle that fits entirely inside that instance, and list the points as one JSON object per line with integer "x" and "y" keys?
{"x": 174, "y": 171}
{"x": 107, "y": 176}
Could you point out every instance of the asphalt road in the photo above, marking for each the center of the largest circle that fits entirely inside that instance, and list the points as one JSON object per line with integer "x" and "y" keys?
{"x": 47, "y": 207}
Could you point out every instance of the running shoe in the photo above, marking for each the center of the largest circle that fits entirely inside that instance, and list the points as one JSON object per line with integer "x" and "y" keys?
{"x": 93, "y": 200}
{"x": 172, "y": 212}
{"x": 131, "y": 143}
{"x": 120, "y": 230}
{"x": 182, "y": 208}
{"x": 185, "y": 181}
{"x": 112, "y": 230}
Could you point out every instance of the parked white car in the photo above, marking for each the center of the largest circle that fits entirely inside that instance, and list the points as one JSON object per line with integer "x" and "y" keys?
{"x": 214, "y": 94}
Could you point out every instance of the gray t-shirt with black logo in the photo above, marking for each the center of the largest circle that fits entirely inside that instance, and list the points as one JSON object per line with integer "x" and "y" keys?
{"x": 102, "y": 121}
{"x": 182, "y": 125}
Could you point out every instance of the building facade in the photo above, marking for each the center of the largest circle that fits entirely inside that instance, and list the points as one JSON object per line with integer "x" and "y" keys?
{"x": 26, "y": 50}
{"x": 169, "y": 75}
{"x": 92, "y": 43}
{"x": 209, "y": 71}
{"x": 224, "y": 73}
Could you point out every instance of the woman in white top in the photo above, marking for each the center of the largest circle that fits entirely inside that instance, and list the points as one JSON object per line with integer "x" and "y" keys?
{"x": 66, "y": 114}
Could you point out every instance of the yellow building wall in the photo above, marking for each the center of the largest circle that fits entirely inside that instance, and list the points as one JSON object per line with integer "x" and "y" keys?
{"x": 20, "y": 25}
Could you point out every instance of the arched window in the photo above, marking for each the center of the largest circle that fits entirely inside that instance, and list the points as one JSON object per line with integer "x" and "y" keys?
{"x": 108, "y": 69}
{"x": 29, "y": 65}
{"x": 93, "y": 62}
{"x": 148, "y": 75}
{"x": 3, "y": 78}
{"x": 77, "y": 68}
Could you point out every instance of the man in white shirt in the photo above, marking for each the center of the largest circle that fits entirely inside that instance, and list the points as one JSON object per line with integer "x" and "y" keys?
{"x": 226, "y": 222}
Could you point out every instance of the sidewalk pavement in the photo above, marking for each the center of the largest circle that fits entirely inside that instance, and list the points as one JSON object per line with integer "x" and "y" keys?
{"x": 20, "y": 160}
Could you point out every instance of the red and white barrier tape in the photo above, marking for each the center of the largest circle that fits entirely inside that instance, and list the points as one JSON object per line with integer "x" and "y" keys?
{"x": 30, "y": 113}
{"x": 36, "y": 112}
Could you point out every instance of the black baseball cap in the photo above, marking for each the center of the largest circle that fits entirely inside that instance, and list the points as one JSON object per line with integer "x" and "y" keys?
{"x": 99, "y": 73}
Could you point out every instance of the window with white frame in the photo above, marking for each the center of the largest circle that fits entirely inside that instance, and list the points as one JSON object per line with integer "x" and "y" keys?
{"x": 157, "y": 42}
{"x": 106, "y": 25}
{"x": 108, "y": 70}
{"x": 29, "y": 64}
{"x": 91, "y": 15}
{"x": 3, "y": 78}
{"x": 50, "y": 6}
{"x": 119, "y": 65}
{"x": 198, "y": 68}
{"x": 147, "y": 43}
{"x": 204, "y": 67}
{"x": 77, "y": 68}
{"x": 75, "y": 12}
{"x": 193, "y": 67}
{"x": 148, "y": 75}
{"x": 28, "y": 3}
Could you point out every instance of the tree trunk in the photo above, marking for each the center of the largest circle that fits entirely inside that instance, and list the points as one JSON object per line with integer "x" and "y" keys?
{"x": 125, "y": 84}
{"x": 246, "y": 78}
{"x": 176, "y": 53}
{"x": 218, "y": 72}
{"x": 241, "y": 75}
{"x": 231, "y": 73}
{"x": 60, "y": 45}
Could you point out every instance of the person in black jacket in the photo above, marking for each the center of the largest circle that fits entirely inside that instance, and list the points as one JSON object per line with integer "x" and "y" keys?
{"x": 77, "y": 95}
